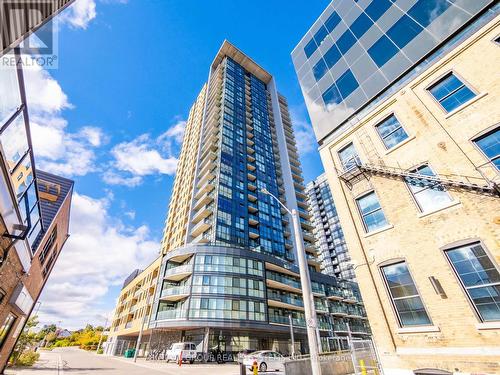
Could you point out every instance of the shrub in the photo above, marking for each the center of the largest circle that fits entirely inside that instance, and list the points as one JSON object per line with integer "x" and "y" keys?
{"x": 100, "y": 351}
{"x": 28, "y": 358}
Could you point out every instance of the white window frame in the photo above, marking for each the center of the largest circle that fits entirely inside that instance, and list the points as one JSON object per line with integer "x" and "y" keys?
{"x": 385, "y": 118}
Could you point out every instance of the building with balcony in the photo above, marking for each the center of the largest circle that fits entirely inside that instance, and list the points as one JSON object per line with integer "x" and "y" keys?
{"x": 330, "y": 240}
{"x": 228, "y": 276}
{"x": 403, "y": 96}
{"x": 34, "y": 215}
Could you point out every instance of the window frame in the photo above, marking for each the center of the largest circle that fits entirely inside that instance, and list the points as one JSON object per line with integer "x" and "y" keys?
{"x": 392, "y": 262}
{"x": 440, "y": 79}
{"x": 363, "y": 195}
{"x": 384, "y": 119}
{"x": 9, "y": 328}
{"x": 342, "y": 148}
{"x": 482, "y": 134}
{"x": 413, "y": 195}
{"x": 463, "y": 288}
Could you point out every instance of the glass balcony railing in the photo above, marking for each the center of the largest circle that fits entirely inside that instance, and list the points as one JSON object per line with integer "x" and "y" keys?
{"x": 285, "y": 298}
{"x": 283, "y": 279}
{"x": 175, "y": 291}
{"x": 338, "y": 309}
{"x": 171, "y": 314}
{"x": 297, "y": 322}
{"x": 185, "y": 268}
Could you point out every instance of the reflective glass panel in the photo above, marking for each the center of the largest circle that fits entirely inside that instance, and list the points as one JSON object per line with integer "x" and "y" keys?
{"x": 346, "y": 41}
{"x": 15, "y": 141}
{"x": 382, "y": 51}
{"x": 480, "y": 278}
{"x": 347, "y": 83}
{"x": 332, "y": 21}
{"x": 490, "y": 145}
{"x": 426, "y": 11}
{"x": 310, "y": 48}
{"x": 361, "y": 25}
{"x": 320, "y": 69}
{"x": 332, "y": 95}
{"x": 377, "y": 8}
{"x": 403, "y": 31}
{"x": 332, "y": 56}
{"x": 320, "y": 35}
{"x": 10, "y": 98}
{"x": 404, "y": 294}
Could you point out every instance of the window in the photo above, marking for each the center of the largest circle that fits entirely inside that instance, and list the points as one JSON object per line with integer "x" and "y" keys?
{"x": 403, "y": 31}
{"x": 371, "y": 212}
{"x": 490, "y": 146}
{"x": 320, "y": 69}
{"x": 391, "y": 132}
{"x": 429, "y": 195}
{"x": 6, "y": 327}
{"x": 320, "y": 35}
{"x": 382, "y": 51}
{"x": 451, "y": 93}
{"x": 332, "y": 95}
{"x": 347, "y": 83}
{"x": 405, "y": 298}
{"x": 361, "y": 25}
{"x": 332, "y": 21}
{"x": 48, "y": 245}
{"x": 346, "y": 41}
{"x": 310, "y": 48}
{"x": 377, "y": 8}
{"x": 479, "y": 277}
{"x": 332, "y": 56}
{"x": 349, "y": 157}
{"x": 426, "y": 11}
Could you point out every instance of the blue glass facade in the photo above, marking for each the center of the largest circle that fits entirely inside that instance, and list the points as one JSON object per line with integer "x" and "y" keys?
{"x": 356, "y": 49}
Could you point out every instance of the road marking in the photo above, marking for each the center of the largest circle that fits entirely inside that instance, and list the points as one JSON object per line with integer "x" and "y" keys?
{"x": 60, "y": 367}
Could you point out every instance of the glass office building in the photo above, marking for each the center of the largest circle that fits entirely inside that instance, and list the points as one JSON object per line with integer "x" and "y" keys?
{"x": 333, "y": 254}
{"x": 228, "y": 276}
{"x": 357, "y": 51}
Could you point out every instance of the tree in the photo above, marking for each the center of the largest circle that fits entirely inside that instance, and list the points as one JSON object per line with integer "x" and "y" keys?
{"x": 26, "y": 339}
{"x": 50, "y": 337}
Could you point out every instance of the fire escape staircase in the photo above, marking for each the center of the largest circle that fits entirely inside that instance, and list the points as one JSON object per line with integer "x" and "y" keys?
{"x": 359, "y": 171}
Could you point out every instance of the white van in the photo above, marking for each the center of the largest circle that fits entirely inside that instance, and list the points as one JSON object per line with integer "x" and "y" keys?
{"x": 188, "y": 350}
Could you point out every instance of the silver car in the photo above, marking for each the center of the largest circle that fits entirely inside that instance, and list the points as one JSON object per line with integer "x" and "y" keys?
{"x": 267, "y": 360}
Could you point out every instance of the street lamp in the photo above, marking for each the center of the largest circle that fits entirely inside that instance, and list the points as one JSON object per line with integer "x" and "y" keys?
{"x": 138, "y": 344}
{"x": 305, "y": 281}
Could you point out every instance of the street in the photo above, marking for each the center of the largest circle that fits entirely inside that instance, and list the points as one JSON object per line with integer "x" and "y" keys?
{"x": 79, "y": 362}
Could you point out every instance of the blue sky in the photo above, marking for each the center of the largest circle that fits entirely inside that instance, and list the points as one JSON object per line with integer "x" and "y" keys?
{"x": 111, "y": 117}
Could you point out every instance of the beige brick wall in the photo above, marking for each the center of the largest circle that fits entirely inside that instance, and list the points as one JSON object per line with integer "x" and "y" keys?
{"x": 444, "y": 141}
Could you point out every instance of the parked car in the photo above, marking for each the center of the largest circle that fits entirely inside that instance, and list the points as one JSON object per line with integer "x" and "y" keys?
{"x": 188, "y": 350}
{"x": 266, "y": 360}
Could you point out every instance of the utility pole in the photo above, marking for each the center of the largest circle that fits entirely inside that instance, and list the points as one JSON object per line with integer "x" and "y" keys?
{"x": 307, "y": 296}
{"x": 142, "y": 328}
{"x": 291, "y": 334}
{"x": 100, "y": 338}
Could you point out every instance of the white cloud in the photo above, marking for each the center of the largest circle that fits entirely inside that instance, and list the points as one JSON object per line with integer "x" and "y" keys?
{"x": 57, "y": 150}
{"x": 100, "y": 253}
{"x": 79, "y": 14}
{"x": 144, "y": 156}
{"x": 304, "y": 134}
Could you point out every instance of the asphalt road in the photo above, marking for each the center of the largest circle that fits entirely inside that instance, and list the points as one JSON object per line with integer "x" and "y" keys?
{"x": 72, "y": 361}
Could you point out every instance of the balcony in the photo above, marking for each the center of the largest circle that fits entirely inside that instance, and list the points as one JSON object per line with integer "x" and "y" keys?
{"x": 253, "y": 233}
{"x": 202, "y": 213}
{"x": 277, "y": 319}
{"x": 338, "y": 309}
{"x": 206, "y": 188}
{"x": 320, "y": 307}
{"x": 204, "y": 200}
{"x": 171, "y": 314}
{"x": 251, "y": 186}
{"x": 253, "y": 220}
{"x": 175, "y": 293}
{"x": 252, "y": 198}
{"x": 251, "y": 176}
{"x": 128, "y": 325}
{"x": 251, "y": 167}
{"x": 207, "y": 176}
{"x": 278, "y": 281}
{"x": 252, "y": 207}
{"x": 284, "y": 301}
{"x": 179, "y": 272}
{"x": 202, "y": 238}
{"x": 201, "y": 227}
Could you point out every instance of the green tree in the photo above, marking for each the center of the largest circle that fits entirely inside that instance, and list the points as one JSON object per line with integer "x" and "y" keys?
{"x": 27, "y": 339}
